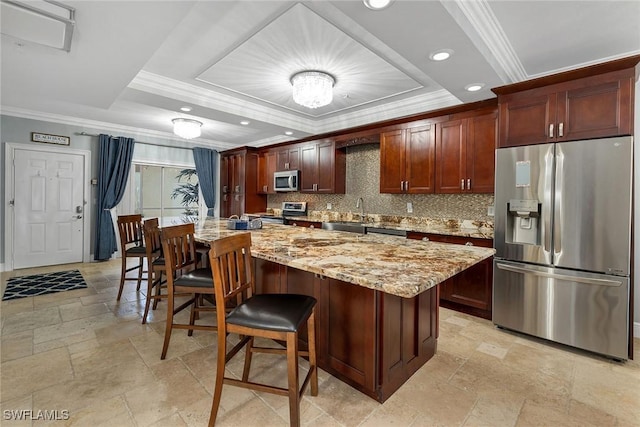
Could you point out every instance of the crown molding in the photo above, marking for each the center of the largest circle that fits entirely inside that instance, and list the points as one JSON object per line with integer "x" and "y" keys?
{"x": 478, "y": 21}
{"x": 100, "y": 127}
{"x": 164, "y": 86}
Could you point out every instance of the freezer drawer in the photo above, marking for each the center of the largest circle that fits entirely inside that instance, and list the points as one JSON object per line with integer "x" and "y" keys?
{"x": 584, "y": 310}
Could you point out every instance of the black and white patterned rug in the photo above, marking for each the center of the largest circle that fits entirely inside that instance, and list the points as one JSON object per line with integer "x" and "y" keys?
{"x": 41, "y": 284}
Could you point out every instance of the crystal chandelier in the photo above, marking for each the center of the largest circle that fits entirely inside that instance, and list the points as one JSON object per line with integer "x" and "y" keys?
{"x": 312, "y": 89}
{"x": 186, "y": 128}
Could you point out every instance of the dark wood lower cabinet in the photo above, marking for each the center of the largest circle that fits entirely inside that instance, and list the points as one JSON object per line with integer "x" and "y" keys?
{"x": 471, "y": 290}
{"x": 371, "y": 340}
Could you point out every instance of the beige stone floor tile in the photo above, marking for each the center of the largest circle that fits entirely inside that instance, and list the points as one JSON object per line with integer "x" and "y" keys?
{"x": 60, "y": 298}
{"x": 589, "y": 415}
{"x": 77, "y": 310}
{"x": 545, "y": 360}
{"x": 20, "y": 305}
{"x": 73, "y": 327}
{"x": 396, "y": 413}
{"x": 344, "y": 403}
{"x": 492, "y": 350}
{"x": 32, "y": 373}
{"x": 252, "y": 413}
{"x": 95, "y": 387}
{"x": 16, "y": 415}
{"x": 197, "y": 413}
{"x": 442, "y": 366}
{"x": 175, "y": 388}
{"x": 174, "y": 420}
{"x": 66, "y": 341}
{"x": 202, "y": 364}
{"x": 28, "y": 320}
{"x": 612, "y": 391}
{"x": 110, "y": 412}
{"x": 500, "y": 411}
{"x": 149, "y": 345}
{"x": 535, "y": 415}
{"x": 103, "y": 356}
{"x": 16, "y": 345}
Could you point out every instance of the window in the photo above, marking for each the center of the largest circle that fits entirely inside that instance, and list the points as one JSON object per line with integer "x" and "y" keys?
{"x": 166, "y": 191}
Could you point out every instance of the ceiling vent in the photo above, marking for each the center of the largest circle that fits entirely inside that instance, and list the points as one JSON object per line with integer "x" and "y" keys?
{"x": 46, "y": 22}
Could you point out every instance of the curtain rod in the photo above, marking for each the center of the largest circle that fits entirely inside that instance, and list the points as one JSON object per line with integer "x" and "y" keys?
{"x": 137, "y": 142}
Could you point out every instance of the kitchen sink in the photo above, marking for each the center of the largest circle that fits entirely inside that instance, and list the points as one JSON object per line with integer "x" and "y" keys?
{"x": 352, "y": 227}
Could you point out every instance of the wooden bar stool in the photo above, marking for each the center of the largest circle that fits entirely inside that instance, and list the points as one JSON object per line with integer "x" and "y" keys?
{"x": 184, "y": 278}
{"x": 272, "y": 316}
{"x": 131, "y": 246}
{"x": 155, "y": 265}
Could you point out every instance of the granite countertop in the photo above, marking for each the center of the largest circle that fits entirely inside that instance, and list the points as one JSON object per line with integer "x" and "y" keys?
{"x": 401, "y": 267}
{"x": 447, "y": 227}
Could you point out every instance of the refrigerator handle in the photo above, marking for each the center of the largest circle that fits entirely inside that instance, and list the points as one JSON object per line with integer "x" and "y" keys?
{"x": 557, "y": 206}
{"x": 577, "y": 279}
{"x": 547, "y": 204}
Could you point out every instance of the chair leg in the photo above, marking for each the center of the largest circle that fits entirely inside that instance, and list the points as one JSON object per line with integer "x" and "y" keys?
{"x": 140, "y": 268}
{"x": 313, "y": 364}
{"x": 247, "y": 360}
{"x": 149, "y": 297}
{"x": 122, "y": 276}
{"x": 158, "y": 290}
{"x": 167, "y": 331}
{"x": 194, "y": 311}
{"x": 292, "y": 373}
{"x": 220, "y": 368}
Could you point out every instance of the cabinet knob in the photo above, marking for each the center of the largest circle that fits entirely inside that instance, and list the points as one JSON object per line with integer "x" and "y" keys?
{"x": 468, "y": 183}
{"x": 294, "y": 224}
{"x": 469, "y": 244}
{"x": 401, "y": 185}
{"x": 406, "y": 186}
{"x": 462, "y": 184}
{"x": 425, "y": 239}
{"x": 551, "y": 130}
{"x": 311, "y": 226}
{"x": 560, "y": 129}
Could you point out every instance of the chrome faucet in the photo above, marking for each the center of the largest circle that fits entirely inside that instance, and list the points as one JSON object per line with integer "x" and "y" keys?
{"x": 360, "y": 204}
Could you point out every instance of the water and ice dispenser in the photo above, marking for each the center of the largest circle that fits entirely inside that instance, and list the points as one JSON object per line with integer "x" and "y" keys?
{"x": 523, "y": 221}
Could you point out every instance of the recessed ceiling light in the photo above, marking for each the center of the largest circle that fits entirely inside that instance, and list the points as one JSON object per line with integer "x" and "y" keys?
{"x": 441, "y": 55}
{"x": 474, "y": 87}
{"x": 377, "y": 4}
{"x": 186, "y": 109}
{"x": 245, "y": 122}
{"x": 288, "y": 132}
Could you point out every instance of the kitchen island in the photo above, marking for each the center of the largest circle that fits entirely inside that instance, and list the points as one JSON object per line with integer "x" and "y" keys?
{"x": 377, "y": 314}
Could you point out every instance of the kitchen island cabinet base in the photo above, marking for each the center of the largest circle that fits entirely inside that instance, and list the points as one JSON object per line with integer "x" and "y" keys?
{"x": 369, "y": 339}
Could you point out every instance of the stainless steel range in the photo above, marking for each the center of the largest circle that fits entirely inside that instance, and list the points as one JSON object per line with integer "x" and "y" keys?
{"x": 289, "y": 209}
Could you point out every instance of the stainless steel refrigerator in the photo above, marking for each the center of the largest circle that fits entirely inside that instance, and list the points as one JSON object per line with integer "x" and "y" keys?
{"x": 563, "y": 243}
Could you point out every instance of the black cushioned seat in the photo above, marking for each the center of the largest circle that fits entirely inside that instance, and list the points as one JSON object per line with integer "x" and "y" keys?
{"x": 137, "y": 250}
{"x": 200, "y": 277}
{"x": 275, "y": 312}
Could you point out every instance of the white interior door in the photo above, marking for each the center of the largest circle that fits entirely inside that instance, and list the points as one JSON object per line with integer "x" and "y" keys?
{"x": 49, "y": 208}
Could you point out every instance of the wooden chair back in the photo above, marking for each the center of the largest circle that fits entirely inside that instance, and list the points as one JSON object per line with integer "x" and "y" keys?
{"x": 130, "y": 230}
{"x": 152, "y": 242}
{"x": 179, "y": 248}
{"x": 230, "y": 260}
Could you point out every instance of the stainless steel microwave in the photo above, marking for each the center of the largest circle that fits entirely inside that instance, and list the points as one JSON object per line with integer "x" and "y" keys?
{"x": 286, "y": 180}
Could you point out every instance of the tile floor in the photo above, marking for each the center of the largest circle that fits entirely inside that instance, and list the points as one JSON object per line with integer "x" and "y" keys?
{"x": 83, "y": 353}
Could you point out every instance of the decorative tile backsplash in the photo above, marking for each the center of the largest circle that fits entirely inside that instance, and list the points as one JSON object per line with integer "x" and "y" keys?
{"x": 363, "y": 180}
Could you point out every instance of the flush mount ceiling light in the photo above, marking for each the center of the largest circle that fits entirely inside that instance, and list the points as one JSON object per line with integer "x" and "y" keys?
{"x": 186, "y": 108}
{"x": 441, "y": 55}
{"x": 312, "y": 89}
{"x": 474, "y": 87}
{"x": 187, "y": 128}
{"x": 45, "y": 22}
{"x": 377, "y": 4}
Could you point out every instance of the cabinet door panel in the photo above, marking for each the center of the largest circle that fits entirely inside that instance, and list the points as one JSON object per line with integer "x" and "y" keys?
{"x": 420, "y": 157}
{"x": 472, "y": 287}
{"x": 309, "y": 168}
{"x": 451, "y": 157}
{"x": 325, "y": 168}
{"x": 392, "y": 161}
{"x": 525, "y": 119}
{"x": 481, "y": 157}
{"x": 595, "y": 111}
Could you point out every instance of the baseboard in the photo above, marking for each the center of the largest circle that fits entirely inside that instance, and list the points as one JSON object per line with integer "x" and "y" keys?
{"x": 1, "y": 267}
{"x": 636, "y": 329}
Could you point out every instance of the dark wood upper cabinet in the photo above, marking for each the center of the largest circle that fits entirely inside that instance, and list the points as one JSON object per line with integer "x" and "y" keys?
{"x": 407, "y": 160}
{"x": 288, "y": 158}
{"x": 266, "y": 168}
{"x": 585, "y": 107}
{"x": 238, "y": 175}
{"x": 322, "y": 168}
{"x": 465, "y": 154}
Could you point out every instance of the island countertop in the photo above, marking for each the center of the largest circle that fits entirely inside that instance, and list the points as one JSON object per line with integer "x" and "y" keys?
{"x": 393, "y": 265}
